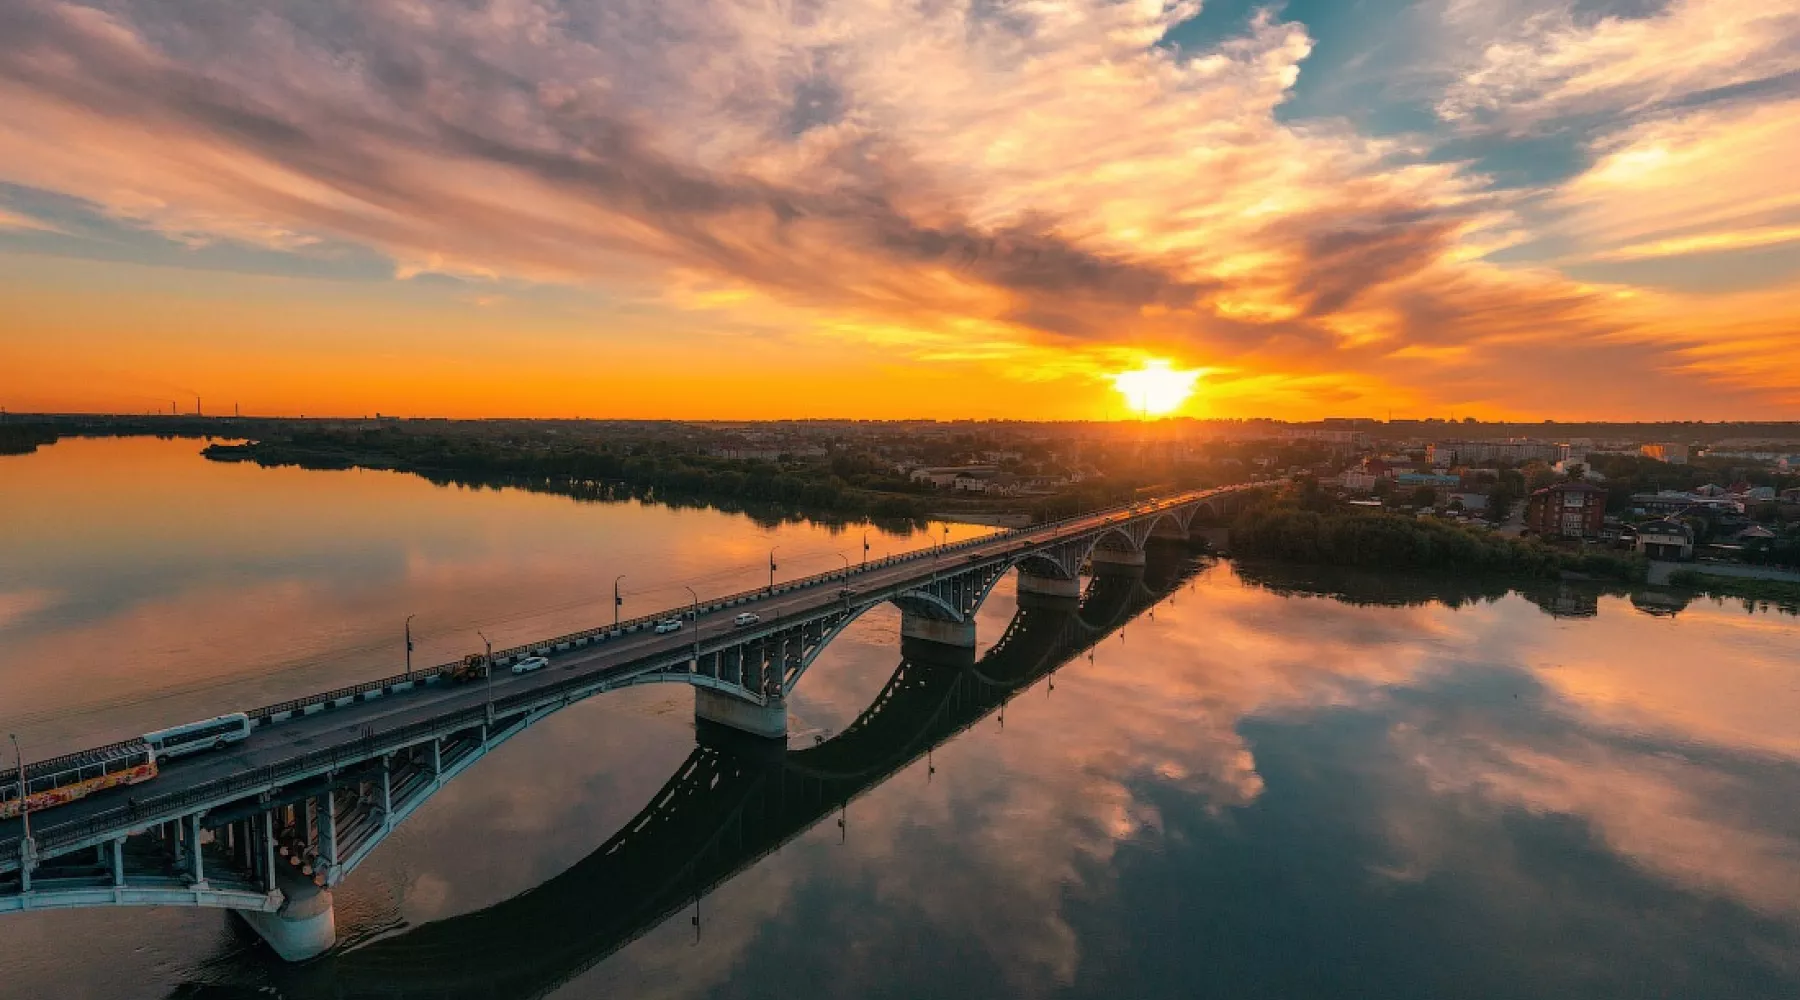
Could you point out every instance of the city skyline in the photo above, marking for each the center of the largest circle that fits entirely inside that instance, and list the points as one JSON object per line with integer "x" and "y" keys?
{"x": 1515, "y": 211}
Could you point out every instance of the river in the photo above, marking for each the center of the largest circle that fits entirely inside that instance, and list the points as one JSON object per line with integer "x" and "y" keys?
{"x": 1256, "y": 784}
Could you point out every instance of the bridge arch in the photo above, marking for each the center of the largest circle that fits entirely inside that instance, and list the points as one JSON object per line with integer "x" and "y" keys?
{"x": 917, "y": 602}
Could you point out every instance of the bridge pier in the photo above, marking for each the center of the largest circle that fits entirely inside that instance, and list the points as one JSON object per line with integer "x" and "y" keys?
{"x": 1048, "y": 586}
{"x": 305, "y": 926}
{"x": 1102, "y": 557}
{"x": 921, "y": 628}
{"x": 768, "y": 721}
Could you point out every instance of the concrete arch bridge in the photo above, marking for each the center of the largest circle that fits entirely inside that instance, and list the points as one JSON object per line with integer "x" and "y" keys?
{"x": 267, "y": 826}
{"x": 732, "y": 802}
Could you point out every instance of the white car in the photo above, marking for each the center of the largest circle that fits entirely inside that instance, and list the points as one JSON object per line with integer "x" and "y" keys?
{"x": 530, "y": 663}
{"x": 745, "y": 619}
{"x": 668, "y": 625}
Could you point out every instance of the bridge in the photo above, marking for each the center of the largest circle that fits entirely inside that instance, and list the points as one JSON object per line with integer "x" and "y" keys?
{"x": 269, "y": 825}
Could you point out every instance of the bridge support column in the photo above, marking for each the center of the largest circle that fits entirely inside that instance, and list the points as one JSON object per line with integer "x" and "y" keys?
{"x": 921, "y": 628}
{"x": 1115, "y": 557}
{"x": 199, "y": 855}
{"x": 1048, "y": 586}
{"x": 305, "y": 926}
{"x": 768, "y": 721}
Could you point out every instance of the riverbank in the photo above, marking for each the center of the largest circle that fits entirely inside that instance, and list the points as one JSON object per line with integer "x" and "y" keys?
{"x": 23, "y": 439}
{"x": 1278, "y": 530}
{"x": 1783, "y": 594}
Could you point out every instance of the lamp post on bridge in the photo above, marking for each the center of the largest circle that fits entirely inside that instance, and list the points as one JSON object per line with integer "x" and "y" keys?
{"x": 409, "y": 619}
{"x": 846, "y": 560}
{"x": 24, "y": 807}
{"x": 772, "y": 549}
{"x": 695, "y": 615}
{"x": 618, "y": 601}
{"x": 489, "y": 664}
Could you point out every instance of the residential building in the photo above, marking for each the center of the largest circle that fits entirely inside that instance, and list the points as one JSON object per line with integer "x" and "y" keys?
{"x": 1359, "y": 481}
{"x": 1677, "y": 502}
{"x": 1427, "y": 479}
{"x": 1665, "y": 539}
{"x": 942, "y": 476}
{"x": 1470, "y": 500}
{"x": 1516, "y": 451}
{"x": 1567, "y": 510}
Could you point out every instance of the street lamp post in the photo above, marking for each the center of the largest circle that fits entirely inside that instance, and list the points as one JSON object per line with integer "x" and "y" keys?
{"x": 409, "y": 619}
{"x": 695, "y": 615}
{"x": 772, "y": 568}
{"x": 24, "y": 807}
{"x": 617, "y": 600}
{"x": 846, "y": 560}
{"x": 489, "y": 664}
{"x": 865, "y": 550}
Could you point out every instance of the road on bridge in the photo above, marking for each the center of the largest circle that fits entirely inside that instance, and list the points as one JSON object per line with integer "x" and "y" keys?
{"x": 274, "y": 743}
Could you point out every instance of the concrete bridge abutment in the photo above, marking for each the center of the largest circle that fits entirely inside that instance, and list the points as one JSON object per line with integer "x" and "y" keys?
{"x": 719, "y": 708}
{"x": 304, "y": 927}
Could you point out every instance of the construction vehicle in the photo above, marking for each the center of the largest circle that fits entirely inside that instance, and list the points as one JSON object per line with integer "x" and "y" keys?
{"x": 473, "y": 667}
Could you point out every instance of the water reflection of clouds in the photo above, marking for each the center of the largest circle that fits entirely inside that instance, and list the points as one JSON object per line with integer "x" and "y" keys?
{"x": 1252, "y": 792}
{"x": 1413, "y": 746}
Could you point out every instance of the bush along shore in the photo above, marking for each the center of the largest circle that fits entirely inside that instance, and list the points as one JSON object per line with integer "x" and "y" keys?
{"x": 1781, "y": 594}
{"x": 23, "y": 439}
{"x": 1374, "y": 540}
{"x": 585, "y": 474}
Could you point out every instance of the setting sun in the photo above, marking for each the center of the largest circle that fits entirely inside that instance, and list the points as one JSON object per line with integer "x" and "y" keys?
{"x": 1156, "y": 389}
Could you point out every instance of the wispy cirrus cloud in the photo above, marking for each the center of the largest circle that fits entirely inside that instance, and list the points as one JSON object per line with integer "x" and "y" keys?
{"x": 1555, "y": 62}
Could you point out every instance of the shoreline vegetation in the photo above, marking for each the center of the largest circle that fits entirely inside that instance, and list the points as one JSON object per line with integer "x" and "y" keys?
{"x": 23, "y": 439}
{"x": 763, "y": 500}
{"x": 1280, "y": 536}
{"x": 1278, "y": 529}
{"x": 1784, "y": 594}
{"x": 842, "y": 488}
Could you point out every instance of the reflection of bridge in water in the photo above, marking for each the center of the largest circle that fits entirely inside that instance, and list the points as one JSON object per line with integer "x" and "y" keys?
{"x": 731, "y": 803}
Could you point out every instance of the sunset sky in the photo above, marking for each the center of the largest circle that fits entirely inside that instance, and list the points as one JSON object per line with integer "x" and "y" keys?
{"x": 881, "y": 208}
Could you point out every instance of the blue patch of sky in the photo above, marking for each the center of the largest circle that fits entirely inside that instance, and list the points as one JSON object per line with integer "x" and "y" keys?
{"x": 82, "y": 231}
{"x": 1344, "y": 75}
{"x": 1364, "y": 69}
{"x": 1715, "y": 273}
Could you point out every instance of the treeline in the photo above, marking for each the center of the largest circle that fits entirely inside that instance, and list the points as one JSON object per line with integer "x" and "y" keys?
{"x": 1374, "y": 540}
{"x": 23, "y": 439}
{"x": 1783, "y": 595}
{"x": 581, "y": 465}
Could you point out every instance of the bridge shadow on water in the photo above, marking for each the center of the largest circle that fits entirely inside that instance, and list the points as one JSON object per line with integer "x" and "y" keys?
{"x": 733, "y": 801}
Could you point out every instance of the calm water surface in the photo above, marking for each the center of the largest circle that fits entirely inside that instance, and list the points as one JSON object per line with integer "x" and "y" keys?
{"x": 1244, "y": 791}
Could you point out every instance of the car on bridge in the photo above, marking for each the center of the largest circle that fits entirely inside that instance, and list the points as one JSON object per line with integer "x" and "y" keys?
{"x": 530, "y": 663}
{"x": 745, "y": 619}
{"x": 668, "y": 625}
